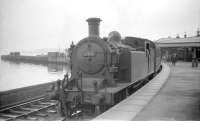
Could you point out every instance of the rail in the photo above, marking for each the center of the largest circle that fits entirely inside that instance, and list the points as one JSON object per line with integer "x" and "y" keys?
{"x": 28, "y": 109}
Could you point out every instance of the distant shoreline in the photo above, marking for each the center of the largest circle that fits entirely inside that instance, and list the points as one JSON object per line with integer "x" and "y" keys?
{"x": 31, "y": 59}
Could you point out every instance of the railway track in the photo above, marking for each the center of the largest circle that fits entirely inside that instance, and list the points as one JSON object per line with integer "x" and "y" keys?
{"x": 34, "y": 109}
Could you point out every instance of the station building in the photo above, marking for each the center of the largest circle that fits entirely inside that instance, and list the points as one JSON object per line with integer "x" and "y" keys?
{"x": 186, "y": 48}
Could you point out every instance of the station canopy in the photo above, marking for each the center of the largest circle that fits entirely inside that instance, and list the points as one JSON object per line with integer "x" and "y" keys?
{"x": 179, "y": 42}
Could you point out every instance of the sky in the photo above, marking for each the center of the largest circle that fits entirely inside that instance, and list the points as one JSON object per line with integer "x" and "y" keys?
{"x": 27, "y": 25}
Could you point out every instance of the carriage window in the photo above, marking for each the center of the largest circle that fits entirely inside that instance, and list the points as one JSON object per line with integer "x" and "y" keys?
{"x": 147, "y": 46}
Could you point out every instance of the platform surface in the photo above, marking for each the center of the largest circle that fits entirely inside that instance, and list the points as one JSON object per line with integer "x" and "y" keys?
{"x": 179, "y": 98}
{"x": 127, "y": 109}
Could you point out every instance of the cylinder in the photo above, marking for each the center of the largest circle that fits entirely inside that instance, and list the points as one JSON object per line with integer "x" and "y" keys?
{"x": 93, "y": 24}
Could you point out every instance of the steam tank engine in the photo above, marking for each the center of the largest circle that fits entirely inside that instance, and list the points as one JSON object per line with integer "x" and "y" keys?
{"x": 96, "y": 58}
{"x": 104, "y": 71}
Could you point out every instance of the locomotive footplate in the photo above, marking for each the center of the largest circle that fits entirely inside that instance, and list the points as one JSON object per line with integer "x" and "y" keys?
{"x": 106, "y": 96}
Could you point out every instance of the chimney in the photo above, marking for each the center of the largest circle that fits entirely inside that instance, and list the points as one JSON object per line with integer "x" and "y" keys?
{"x": 185, "y": 35}
{"x": 198, "y": 32}
{"x": 93, "y": 26}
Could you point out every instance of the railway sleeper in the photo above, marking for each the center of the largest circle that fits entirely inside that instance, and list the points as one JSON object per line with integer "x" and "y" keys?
{"x": 41, "y": 114}
{"x": 51, "y": 111}
{"x": 18, "y": 111}
{"x": 8, "y": 115}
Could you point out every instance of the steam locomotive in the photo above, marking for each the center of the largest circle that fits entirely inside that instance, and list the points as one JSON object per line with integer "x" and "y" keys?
{"x": 106, "y": 70}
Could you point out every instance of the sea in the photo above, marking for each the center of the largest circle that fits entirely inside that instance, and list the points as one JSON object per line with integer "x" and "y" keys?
{"x": 15, "y": 75}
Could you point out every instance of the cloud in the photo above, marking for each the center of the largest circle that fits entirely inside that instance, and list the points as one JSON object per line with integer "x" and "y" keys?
{"x": 35, "y": 24}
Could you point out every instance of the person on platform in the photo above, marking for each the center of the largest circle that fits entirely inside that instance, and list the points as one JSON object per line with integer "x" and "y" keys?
{"x": 194, "y": 59}
{"x": 174, "y": 59}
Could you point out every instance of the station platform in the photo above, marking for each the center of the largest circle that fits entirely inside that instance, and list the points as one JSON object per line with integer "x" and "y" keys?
{"x": 179, "y": 99}
{"x": 173, "y": 95}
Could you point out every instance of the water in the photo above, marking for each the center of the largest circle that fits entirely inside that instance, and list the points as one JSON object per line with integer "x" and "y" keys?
{"x": 16, "y": 75}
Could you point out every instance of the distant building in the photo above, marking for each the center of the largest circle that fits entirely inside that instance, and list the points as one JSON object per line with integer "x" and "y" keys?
{"x": 186, "y": 48}
{"x": 57, "y": 57}
{"x": 14, "y": 53}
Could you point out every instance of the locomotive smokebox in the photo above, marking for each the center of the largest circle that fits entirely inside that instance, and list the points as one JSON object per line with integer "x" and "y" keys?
{"x": 93, "y": 26}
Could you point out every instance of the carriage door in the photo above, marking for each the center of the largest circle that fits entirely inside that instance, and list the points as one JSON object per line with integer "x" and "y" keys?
{"x": 147, "y": 50}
